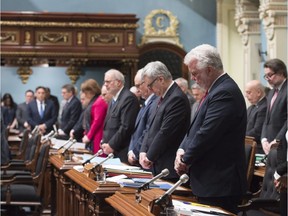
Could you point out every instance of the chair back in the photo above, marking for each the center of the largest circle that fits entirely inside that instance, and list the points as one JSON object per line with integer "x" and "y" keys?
{"x": 23, "y": 145}
{"x": 32, "y": 152}
{"x": 268, "y": 190}
{"x": 250, "y": 150}
{"x": 41, "y": 166}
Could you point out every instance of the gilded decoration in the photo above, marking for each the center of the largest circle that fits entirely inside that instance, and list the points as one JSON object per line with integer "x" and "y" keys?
{"x": 24, "y": 72}
{"x": 73, "y": 72}
{"x": 104, "y": 39}
{"x": 68, "y": 24}
{"x": 9, "y": 37}
{"x": 161, "y": 25}
{"x": 56, "y": 38}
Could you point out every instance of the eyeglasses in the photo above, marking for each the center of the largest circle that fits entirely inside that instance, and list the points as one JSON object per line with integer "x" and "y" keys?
{"x": 138, "y": 85}
{"x": 268, "y": 76}
{"x": 151, "y": 84}
{"x": 108, "y": 81}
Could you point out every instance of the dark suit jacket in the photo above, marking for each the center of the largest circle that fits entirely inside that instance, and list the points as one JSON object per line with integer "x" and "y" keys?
{"x": 141, "y": 125}
{"x": 275, "y": 124}
{"x": 255, "y": 120}
{"x": 120, "y": 122}
{"x": 168, "y": 127}
{"x": 282, "y": 157}
{"x": 214, "y": 145}
{"x": 49, "y": 118}
{"x": 70, "y": 114}
{"x": 22, "y": 115}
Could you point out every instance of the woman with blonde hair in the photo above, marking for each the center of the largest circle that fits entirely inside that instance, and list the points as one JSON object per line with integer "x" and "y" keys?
{"x": 94, "y": 115}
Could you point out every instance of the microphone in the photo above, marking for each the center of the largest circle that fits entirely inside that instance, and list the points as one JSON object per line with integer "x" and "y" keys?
{"x": 35, "y": 130}
{"x": 68, "y": 141}
{"x": 46, "y": 137}
{"x": 145, "y": 186}
{"x": 111, "y": 155}
{"x": 73, "y": 142}
{"x": 183, "y": 179}
{"x": 55, "y": 129}
{"x": 95, "y": 155}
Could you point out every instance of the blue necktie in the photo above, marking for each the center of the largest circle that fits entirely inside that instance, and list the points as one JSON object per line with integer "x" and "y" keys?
{"x": 41, "y": 110}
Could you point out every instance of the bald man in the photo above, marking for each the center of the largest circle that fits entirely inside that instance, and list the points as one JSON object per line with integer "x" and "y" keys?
{"x": 255, "y": 94}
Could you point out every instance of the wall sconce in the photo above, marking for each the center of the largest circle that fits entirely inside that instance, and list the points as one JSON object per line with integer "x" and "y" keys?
{"x": 262, "y": 54}
{"x": 24, "y": 72}
{"x": 73, "y": 73}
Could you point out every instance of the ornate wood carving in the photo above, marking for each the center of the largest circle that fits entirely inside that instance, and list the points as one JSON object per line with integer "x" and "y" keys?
{"x": 60, "y": 38}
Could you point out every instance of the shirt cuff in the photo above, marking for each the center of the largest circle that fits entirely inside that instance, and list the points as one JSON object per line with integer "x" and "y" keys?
{"x": 276, "y": 176}
{"x": 264, "y": 140}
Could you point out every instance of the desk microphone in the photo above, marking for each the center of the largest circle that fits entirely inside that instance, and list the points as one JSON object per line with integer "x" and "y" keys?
{"x": 111, "y": 155}
{"x": 145, "y": 186}
{"x": 68, "y": 141}
{"x": 35, "y": 130}
{"x": 55, "y": 129}
{"x": 95, "y": 155}
{"x": 183, "y": 179}
{"x": 73, "y": 142}
{"x": 46, "y": 137}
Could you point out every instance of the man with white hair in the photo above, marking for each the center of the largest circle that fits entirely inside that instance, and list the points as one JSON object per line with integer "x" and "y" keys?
{"x": 213, "y": 150}
{"x": 121, "y": 116}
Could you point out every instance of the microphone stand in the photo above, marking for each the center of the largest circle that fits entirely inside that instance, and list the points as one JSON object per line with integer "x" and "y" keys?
{"x": 95, "y": 155}
{"x": 98, "y": 170}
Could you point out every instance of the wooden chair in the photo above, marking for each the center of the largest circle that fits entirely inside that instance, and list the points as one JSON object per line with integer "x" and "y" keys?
{"x": 250, "y": 151}
{"x": 15, "y": 193}
{"x": 20, "y": 154}
{"x": 31, "y": 154}
{"x": 267, "y": 200}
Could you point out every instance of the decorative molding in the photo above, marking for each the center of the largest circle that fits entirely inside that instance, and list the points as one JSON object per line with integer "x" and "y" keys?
{"x": 161, "y": 25}
{"x": 104, "y": 39}
{"x": 274, "y": 16}
{"x": 73, "y": 73}
{"x": 247, "y": 19}
{"x": 68, "y": 24}
{"x": 24, "y": 72}
{"x": 10, "y": 37}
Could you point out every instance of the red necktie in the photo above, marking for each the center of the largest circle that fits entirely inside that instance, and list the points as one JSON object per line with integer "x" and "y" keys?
{"x": 274, "y": 98}
{"x": 160, "y": 101}
{"x": 202, "y": 100}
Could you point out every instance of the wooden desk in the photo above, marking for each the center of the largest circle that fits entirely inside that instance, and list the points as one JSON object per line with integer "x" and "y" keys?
{"x": 14, "y": 142}
{"x": 59, "y": 186}
{"x": 87, "y": 197}
{"x": 259, "y": 171}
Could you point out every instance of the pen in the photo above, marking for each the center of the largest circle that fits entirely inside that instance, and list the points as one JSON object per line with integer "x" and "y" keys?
{"x": 209, "y": 212}
{"x": 197, "y": 204}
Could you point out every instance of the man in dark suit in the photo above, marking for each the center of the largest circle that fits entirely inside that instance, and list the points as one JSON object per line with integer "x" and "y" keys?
{"x": 275, "y": 124}
{"x": 169, "y": 122}
{"x": 213, "y": 149}
{"x": 121, "y": 116}
{"x": 143, "y": 118}
{"x": 22, "y": 113}
{"x": 255, "y": 94}
{"x": 280, "y": 175}
{"x": 71, "y": 111}
{"x": 41, "y": 112}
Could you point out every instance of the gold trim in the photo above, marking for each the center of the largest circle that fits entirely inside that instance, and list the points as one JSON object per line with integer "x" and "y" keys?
{"x": 24, "y": 72}
{"x": 73, "y": 73}
{"x": 151, "y": 34}
{"x": 68, "y": 24}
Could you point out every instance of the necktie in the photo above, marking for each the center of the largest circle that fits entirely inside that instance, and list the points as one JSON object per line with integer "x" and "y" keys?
{"x": 202, "y": 100}
{"x": 274, "y": 97}
{"x": 41, "y": 110}
{"x": 160, "y": 101}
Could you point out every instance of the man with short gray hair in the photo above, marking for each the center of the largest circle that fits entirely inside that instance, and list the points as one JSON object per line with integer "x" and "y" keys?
{"x": 169, "y": 122}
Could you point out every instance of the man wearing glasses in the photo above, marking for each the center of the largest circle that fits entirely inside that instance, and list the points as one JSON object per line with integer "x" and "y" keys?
{"x": 121, "y": 116}
{"x": 274, "y": 125}
{"x": 169, "y": 122}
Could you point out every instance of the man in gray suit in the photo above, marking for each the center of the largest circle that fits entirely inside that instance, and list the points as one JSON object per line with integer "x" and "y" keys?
{"x": 22, "y": 113}
{"x": 169, "y": 123}
{"x": 275, "y": 124}
{"x": 143, "y": 118}
{"x": 255, "y": 94}
{"x": 121, "y": 116}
